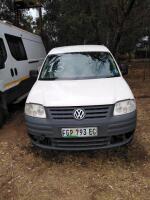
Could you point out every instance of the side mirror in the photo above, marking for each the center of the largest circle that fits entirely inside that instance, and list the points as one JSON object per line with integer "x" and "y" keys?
{"x": 124, "y": 69}
{"x": 34, "y": 73}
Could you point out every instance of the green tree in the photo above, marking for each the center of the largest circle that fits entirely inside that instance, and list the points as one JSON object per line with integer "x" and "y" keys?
{"x": 115, "y": 23}
{"x": 6, "y": 10}
{"x": 27, "y": 22}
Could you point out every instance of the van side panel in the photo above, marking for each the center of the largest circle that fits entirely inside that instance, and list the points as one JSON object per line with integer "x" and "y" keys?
{"x": 14, "y": 78}
{"x": 35, "y": 53}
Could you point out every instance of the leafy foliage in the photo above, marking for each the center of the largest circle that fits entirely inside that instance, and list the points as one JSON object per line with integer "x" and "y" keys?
{"x": 115, "y": 23}
{"x": 118, "y": 24}
{"x": 7, "y": 13}
{"x": 6, "y": 10}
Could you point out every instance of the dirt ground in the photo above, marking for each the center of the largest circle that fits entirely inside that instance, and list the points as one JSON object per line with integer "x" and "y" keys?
{"x": 27, "y": 173}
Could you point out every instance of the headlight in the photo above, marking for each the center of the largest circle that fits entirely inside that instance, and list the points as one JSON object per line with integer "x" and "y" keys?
{"x": 124, "y": 107}
{"x": 35, "y": 110}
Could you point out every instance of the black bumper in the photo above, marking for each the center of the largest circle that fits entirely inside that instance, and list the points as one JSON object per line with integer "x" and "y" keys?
{"x": 112, "y": 132}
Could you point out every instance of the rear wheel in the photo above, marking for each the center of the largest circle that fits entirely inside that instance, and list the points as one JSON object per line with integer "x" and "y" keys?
{"x": 1, "y": 117}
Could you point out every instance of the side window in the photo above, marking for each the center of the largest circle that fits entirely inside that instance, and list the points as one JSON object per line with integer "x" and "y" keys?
{"x": 3, "y": 54}
{"x": 16, "y": 47}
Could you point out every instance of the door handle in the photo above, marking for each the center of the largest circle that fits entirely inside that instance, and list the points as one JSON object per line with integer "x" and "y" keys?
{"x": 16, "y": 72}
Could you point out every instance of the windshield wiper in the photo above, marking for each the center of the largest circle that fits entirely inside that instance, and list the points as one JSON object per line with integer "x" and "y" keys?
{"x": 113, "y": 76}
{"x": 51, "y": 76}
{"x": 48, "y": 79}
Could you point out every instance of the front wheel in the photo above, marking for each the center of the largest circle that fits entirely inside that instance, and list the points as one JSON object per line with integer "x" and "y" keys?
{"x": 1, "y": 117}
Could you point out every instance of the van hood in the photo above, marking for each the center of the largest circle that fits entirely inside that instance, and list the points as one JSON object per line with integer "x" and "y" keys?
{"x": 79, "y": 92}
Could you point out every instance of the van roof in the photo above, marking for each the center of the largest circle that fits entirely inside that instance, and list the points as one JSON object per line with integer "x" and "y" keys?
{"x": 79, "y": 48}
{"x": 10, "y": 25}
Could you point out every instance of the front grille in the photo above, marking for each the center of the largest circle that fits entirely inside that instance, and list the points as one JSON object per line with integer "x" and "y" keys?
{"x": 92, "y": 112}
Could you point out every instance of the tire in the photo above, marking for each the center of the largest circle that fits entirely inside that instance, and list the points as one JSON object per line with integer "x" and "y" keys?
{"x": 1, "y": 117}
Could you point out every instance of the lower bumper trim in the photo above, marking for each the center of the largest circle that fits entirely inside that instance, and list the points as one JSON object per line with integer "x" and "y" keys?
{"x": 82, "y": 143}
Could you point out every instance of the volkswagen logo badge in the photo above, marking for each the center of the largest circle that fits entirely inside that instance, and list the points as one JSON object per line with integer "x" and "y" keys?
{"x": 79, "y": 114}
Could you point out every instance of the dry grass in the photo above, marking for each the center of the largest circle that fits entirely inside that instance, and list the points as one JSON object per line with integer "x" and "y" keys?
{"x": 122, "y": 174}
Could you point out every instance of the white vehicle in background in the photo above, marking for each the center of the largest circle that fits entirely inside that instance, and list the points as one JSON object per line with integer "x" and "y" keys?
{"x": 20, "y": 53}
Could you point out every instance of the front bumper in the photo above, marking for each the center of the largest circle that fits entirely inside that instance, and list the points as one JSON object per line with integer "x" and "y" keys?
{"x": 112, "y": 132}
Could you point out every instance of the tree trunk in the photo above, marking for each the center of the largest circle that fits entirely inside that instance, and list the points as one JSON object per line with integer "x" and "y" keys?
{"x": 121, "y": 27}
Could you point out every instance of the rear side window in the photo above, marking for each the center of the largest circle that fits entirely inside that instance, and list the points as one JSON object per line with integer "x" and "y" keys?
{"x": 16, "y": 47}
{"x": 3, "y": 54}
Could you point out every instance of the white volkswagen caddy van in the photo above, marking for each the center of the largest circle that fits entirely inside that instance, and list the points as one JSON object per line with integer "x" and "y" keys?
{"x": 80, "y": 101}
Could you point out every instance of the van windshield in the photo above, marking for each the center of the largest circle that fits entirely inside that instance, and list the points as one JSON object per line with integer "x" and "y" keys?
{"x": 83, "y": 65}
